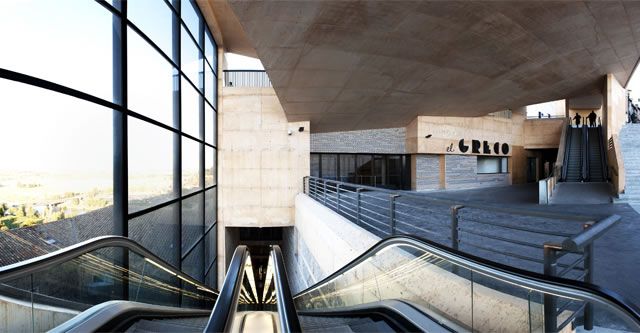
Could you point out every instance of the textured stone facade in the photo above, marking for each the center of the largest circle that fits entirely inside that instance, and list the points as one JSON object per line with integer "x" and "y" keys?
{"x": 461, "y": 173}
{"x": 377, "y": 141}
{"x": 427, "y": 172}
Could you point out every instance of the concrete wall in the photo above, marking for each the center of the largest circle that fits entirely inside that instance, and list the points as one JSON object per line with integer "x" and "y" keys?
{"x": 615, "y": 106}
{"x": 18, "y": 316}
{"x": 377, "y": 141}
{"x": 260, "y": 166}
{"x": 320, "y": 243}
{"x": 542, "y": 133}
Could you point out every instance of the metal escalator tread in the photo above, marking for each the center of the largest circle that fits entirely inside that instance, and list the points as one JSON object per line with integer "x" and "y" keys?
{"x": 331, "y": 324}
{"x": 373, "y": 326}
{"x": 196, "y": 324}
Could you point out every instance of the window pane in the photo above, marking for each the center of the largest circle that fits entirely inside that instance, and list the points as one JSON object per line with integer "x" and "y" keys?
{"x": 210, "y": 204}
{"x": 505, "y": 165}
{"x": 210, "y": 247}
{"x": 329, "y": 166}
{"x": 210, "y": 116}
{"x": 315, "y": 165}
{"x": 209, "y": 84}
{"x": 57, "y": 164}
{"x": 193, "y": 264}
{"x": 363, "y": 168}
{"x": 190, "y": 110}
{"x": 192, "y": 221}
{"x": 190, "y": 166}
{"x": 159, "y": 232}
{"x": 488, "y": 164}
{"x": 42, "y": 39}
{"x": 191, "y": 17}
{"x": 158, "y": 26}
{"x": 211, "y": 51}
{"x": 209, "y": 166}
{"x": 395, "y": 171}
{"x": 151, "y": 83}
{"x": 211, "y": 279}
{"x": 150, "y": 165}
{"x": 191, "y": 58}
{"x": 347, "y": 168}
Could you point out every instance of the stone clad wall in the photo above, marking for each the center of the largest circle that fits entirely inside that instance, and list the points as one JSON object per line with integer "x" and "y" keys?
{"x": 377, "y": 141}
{"x": 461, "y": 173}
{"x": 427, "y": 172}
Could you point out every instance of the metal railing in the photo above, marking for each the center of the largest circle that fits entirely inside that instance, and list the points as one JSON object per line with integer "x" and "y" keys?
{"x": 562, "y": 242}
{"x": 246, "y": 79}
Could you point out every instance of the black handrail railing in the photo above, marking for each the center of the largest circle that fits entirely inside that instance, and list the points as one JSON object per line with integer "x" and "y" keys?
{"x": 289, "y": 321}
{"x": 553, "y": 285}
{"x": 585, "y": 154}
{"x": 221, "y": 319}
{"x": 567, "y": 147}
{"x": 603, "y": 154}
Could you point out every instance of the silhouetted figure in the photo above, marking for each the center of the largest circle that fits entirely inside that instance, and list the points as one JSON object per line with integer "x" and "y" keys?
{"x": 577, "y": 118}
{"x": 592, "y": 119}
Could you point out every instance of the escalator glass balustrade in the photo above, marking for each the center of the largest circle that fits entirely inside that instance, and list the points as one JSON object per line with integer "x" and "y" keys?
{"x": 46, "y": 291}
{"x": 458, "y": 293}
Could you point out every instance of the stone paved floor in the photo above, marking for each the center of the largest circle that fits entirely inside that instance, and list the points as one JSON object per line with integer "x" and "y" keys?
{"x": 617, "y": 253}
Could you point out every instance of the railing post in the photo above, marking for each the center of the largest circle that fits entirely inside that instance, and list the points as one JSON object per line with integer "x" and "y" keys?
{"x": 324, "y": 190}
{"x": 588, "y": 278}
{"x": 338, "y": 198}
{"x": 454, "y": 226}
{"x": 550, "y": 301}
{"x": 358, "y": 206}
{"x": 392, "y": 213}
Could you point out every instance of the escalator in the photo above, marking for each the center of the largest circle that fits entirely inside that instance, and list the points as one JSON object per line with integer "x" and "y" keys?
{"x": 573, "y": 155}
{"x": 597, "y": 158}
{"x": 400, "y": 284}
{"x": 585, "y": 157}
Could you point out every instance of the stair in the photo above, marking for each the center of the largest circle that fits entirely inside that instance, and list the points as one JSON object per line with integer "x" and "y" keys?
{"x": 574, "y": 165}
{"x": 596, "y": 173}
{"x": 630, "y": 142}
{"x": 343, "y": 324}
{"x": 196, "y": 324}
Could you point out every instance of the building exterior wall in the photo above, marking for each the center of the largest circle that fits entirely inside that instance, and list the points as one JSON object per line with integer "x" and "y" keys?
{"x": 461, "y": 173}
{"x": 261, "y": 166}
{"x": 377, "y": 141}
{"x": 426, "y": 171}
{"x": 542, "y": 133}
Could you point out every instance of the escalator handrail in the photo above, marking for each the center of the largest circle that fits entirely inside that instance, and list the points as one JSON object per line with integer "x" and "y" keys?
{"x": 585, "y": 154}
{"x": 221, "y": 319}
{"x": 52, "y": 259}
{"x": 536, "y": 281}
{"x": 289, "y": 321}
{"x": 603, "y": 154}
{"x": 567, "y": 148}
{"x": 116, "y": 315}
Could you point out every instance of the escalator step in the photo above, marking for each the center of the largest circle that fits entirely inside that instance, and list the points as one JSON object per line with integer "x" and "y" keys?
{"x": 144, "y": 326}
{"x": 377, "y": 326}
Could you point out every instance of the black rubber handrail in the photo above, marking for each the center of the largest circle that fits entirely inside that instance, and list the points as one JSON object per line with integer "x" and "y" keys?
{"x": 58, "y": 257}
{"x": 550, "y": 284}
{"x": 567, "y": 148}
{"x": 603, "y": 154}
{"x": 221, "y": 319}
{"x": 585, "y": 154}
{"x": 289, "y": 321}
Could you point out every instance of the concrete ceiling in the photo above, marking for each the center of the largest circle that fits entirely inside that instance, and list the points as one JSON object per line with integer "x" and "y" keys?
{"x": 372, "y": 64}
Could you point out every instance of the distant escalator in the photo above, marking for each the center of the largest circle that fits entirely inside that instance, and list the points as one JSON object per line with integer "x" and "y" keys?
{"x": 573, "y": 157}
{"x": 597, "y": 162}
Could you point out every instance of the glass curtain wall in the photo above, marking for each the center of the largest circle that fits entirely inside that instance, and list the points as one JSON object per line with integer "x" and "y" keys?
{"x": 388, "y": 171}
{"x": 109, "y": 127}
